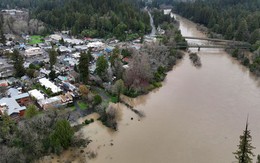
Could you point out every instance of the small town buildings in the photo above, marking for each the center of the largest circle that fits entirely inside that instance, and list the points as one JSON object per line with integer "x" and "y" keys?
{"x": 56, "y": 102}
{"x": 53, "y": 102}
{"x": 64, "y": 49}
{"x": 33, "y": 51}
{"x": 81, "y": 48}
{"x": 49, "y": 85}
{"x": 6, "y": 69}
{"x": 12, "y": 12}
{"x": 97, "y": 45}
{"x": 55, "y": 37}
{"x": 73, "y": 41}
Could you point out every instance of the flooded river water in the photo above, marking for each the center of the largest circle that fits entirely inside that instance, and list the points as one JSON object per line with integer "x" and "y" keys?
{"x": 195, "y": 117}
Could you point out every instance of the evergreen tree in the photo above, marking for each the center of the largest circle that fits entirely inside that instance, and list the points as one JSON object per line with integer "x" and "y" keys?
{"x": 118, "y": 88}
{"x": 258, "y": 159}
{"x": 76, "y": 68}
{"x": 84, "y": 66}
{"x": 244, "y": 153}
{"x": 18, "y": 64}
{"x": 62, "y": 136}
{"x": 52, "y": 58}
{"x": 2, "y": 37}
{"x": 242, "y": 32}
{"x": 52, "y": 75}
{"x": 102, "y": 66}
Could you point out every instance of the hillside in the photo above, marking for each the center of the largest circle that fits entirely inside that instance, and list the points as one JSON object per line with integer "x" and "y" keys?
{"x": 92, "y": 18}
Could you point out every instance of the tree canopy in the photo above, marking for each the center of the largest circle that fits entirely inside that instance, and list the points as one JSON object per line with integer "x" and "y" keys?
{"x": 234, "y": 19}
{"x": 91, "y": 18}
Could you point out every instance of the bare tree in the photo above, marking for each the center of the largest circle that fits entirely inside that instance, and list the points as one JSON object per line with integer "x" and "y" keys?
{"x": 139, "y": 72}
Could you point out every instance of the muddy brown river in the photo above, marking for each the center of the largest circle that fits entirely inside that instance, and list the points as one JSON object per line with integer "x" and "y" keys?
{"x": 195, "y": 117}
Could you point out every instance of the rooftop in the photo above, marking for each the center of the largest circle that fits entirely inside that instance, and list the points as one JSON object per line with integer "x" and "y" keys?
{"x": 36, "y": 94}
{"x": 48, "y": 84}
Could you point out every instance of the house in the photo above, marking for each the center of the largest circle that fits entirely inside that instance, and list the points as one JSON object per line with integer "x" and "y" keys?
{"x": 14, "y": 92}
{"x": 49, "y": 85}
{"x": 56, "y": 102}
{"x": 73, "y": 41}
{"x": 3, "y": 83}
{"x": 23, "y": 99}
{"x": 70, "y": 61}
{"x": 69, "y": 87}
{"x": 33, "y": 51}
{"x": 96, "y": 45}
{"x": 66, "y": 98}
{"x": 53, "y": 102}
{"x": 81, "y": 48}
{"x": 55, "y": 37}
{"x": 36, "y": 94}
{"x": 76, "y": 55}
{"x": 6, "y": 69}
{"x": 109, "y": 49}
{"x": 14, "y": 106}
{"x": 64, "y": 49}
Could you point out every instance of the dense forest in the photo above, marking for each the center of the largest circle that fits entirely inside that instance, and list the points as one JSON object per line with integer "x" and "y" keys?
{"x": 91, "y": 18}
{"x": 234, "y": 19}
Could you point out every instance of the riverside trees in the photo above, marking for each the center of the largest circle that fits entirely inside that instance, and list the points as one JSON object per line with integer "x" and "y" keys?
{"x": 35, "y": 137}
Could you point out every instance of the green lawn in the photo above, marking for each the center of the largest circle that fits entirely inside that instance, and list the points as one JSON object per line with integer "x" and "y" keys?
{"x": 35, "y": 39}
{"x": 82, "y": 105}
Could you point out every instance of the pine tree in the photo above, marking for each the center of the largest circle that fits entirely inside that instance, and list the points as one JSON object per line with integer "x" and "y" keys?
{"x": 258, "y": 159}
{"x": 53, "y": 58}
{"x": 242, "y": 32}
{"x": 18, "y": 64}
{"x": 2, "y": 37}
{"x": 102, "y": 66}
{"x": 244, "y": 153}
{"x": 84, "y": 66}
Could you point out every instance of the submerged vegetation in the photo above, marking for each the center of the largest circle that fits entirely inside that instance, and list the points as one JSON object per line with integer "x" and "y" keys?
{"x": 195, "y": 59}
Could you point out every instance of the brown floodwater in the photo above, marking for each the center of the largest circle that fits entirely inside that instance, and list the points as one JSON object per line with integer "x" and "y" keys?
{"x": 195, "y": 117}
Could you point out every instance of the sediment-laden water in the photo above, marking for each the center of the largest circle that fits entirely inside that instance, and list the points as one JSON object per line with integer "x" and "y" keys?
{"x": 195, "y": 117}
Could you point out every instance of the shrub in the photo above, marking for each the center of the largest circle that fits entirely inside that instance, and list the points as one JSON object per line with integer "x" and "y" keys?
{"x": 97, "y": 99}
{"x": 86, "y": 122}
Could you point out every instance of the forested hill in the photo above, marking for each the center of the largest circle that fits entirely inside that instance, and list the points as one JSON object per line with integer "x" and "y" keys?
{"x": 94, "y": 18}
{"x": 234, "y": 19}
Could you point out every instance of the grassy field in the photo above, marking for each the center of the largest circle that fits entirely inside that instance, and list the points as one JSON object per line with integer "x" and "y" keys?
{"x": 35, "y": 39}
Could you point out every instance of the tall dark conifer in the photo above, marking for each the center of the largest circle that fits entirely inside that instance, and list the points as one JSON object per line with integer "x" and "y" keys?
{"x": 84, "y": 66}
{"x": 244, "y": 153}
{"x": 18, "y": 64}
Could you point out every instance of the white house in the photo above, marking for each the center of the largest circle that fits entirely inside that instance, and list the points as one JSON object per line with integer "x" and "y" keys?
{"x": 36, "y": 94}
{"x": 33, "y": 51}
{"x": 48, "y": 84}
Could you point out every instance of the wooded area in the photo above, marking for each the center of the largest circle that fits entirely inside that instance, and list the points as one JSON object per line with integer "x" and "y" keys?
{"x": 88, "y": 18}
